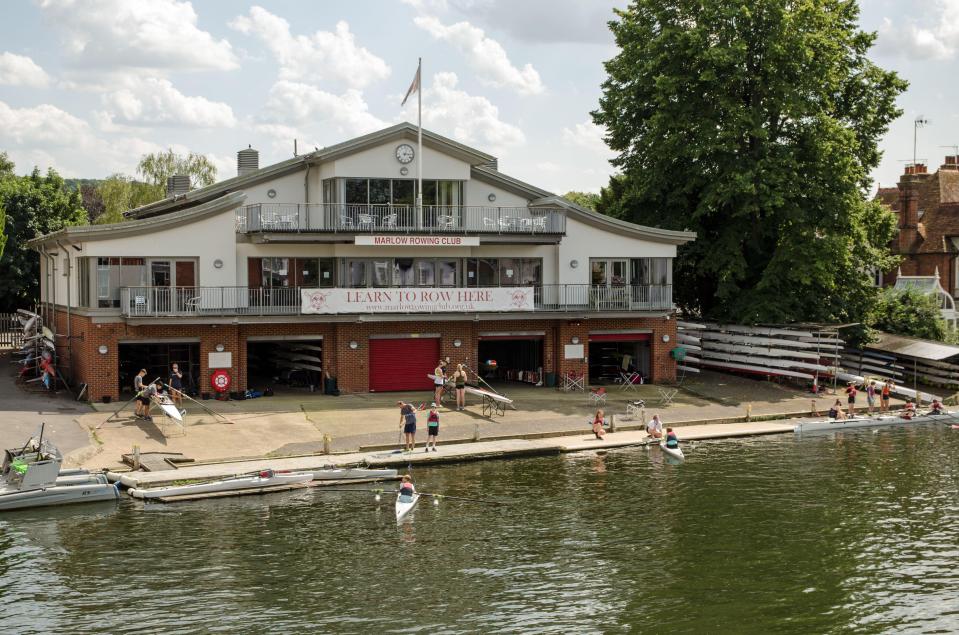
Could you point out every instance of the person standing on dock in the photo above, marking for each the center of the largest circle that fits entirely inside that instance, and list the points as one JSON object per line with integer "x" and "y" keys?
{"x": 851, "y": 393}
{"x": 655, "y": 428}
{"x": 432, "y": 427}
{"x": 871, "y": 396}
{"x": 176, "y": 387}
{"x": 408, "y": 424}
{"x": 885, "y": 394}
{"x": 137, "y": 389}
{"x": 459, "y": 380}
{"x": 439, "y": 381}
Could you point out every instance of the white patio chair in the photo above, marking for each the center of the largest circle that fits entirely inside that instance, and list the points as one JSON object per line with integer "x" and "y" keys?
{"x": 574, "y": 381}
{"x": 506, "y": 224}
{"x": 490, "y": 224}
{"x": 389, "y": 221}
{"x": 366, "y": 221}
{"x": 666, "y": 396}
{"x": 629, "y": 380}
{"x": 346, "y": 221}
{"x": 539, "y": 224}
{"x": 634, "y": 409}
{"x": 445, "y": 222}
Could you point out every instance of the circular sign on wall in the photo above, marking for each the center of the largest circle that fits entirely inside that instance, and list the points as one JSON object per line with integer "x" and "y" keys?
{"x": 220, "y": 380}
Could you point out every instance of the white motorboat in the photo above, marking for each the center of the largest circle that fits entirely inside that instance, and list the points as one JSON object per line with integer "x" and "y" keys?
{"x": 405, "y": 504}
{"x": 832, "y": 425}
{"x": 263, "y": 479}
{"x": 676, "y": 453}
{"x": 31, "y": 477}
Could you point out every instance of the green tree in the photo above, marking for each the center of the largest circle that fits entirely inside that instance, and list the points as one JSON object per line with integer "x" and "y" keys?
{"x": 35, "y": 205}
{"x": 588, "y": 200}
{"x": 120, "y": 193}
{"x": 155, "y": 168}
{"x": 908, "y": 312}
{"x": 6, "y": 172}
{"x": 754, "y": 123}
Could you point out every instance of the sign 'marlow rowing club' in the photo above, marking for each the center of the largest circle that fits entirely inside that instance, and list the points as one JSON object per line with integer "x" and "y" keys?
{"x": 418, "y": 241}
{"x": 416, "y": 300}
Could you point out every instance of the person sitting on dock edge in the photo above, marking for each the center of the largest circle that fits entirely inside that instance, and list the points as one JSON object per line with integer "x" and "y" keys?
{"x": 599, "y": 421}
{"x": 655, "y": 427}
{"x": 836, "y": 411}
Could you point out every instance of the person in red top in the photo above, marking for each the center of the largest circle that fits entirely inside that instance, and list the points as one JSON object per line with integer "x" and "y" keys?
{"x": 598, "y": 421}
{"x": 851, "y": 393}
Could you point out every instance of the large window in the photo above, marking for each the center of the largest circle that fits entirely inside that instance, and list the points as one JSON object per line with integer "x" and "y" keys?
{"x": 615, "y": 272}
{"x": 113, "y": 273}
{"x": 504, "y": 272}
{"x": 395, "y": 192}
{"x": 291, "y": 272}
{"x": 402, "y": 272}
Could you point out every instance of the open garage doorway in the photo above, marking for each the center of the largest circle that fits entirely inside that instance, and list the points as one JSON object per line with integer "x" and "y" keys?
{"x": 518, "y": 358}
{"x": 615, "y": 356}
{"x": 284, "y": 365}
{"x": 157, "y": 358}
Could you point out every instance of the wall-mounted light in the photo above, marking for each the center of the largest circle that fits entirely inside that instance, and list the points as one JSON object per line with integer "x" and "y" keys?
{"x": 491, "y": 197}
{"x": 457, "y": 343}
{"x": 220, "y": 348}
{"x": 354, "y": 344}
{"x": 103, "y": 350}
{"x": 218, "y": 263}
{"x": 574, "y": 340}
{"x": 271, "y": 193}
{"x": 573, "y": 264}
{"x": 665, "y": 338}
{"x": 404, "y": 170}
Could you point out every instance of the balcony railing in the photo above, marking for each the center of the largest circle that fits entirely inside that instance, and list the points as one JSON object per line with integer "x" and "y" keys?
{"x": 153, "y": 302}
{"x": 398, "y": 219}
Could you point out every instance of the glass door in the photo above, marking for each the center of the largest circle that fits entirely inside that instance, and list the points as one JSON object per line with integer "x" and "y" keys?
{"x": 161, "y": 283}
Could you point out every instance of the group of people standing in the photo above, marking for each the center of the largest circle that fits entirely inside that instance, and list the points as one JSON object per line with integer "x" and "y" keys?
{"x": 459, "y": 384}
{"x": 876, "y": 392}
{"x": 146, "y": 392}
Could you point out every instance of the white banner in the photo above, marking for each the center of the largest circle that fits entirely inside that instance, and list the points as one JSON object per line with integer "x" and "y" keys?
{"x": 417, "y": 241}
{"x": 416, "y": 300}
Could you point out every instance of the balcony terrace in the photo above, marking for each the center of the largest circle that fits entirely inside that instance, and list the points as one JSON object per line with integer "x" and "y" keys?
{"x": 161, "y": 302}
{"x": 399, "y": 219}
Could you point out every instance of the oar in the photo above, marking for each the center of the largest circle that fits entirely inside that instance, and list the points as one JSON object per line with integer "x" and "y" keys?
{"x": 381, "y": 491}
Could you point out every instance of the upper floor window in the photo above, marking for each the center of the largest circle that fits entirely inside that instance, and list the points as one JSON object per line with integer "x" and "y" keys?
{"x": 614, "y": 272}
{"x": 291, "y": 272}
{"x": 402, "y": 272}
{"x": 391, "y": 192}
{"x": 504, "y": 272}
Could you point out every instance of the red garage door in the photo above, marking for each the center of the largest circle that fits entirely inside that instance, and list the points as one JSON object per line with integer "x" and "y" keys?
{"x": 403, "y": 363}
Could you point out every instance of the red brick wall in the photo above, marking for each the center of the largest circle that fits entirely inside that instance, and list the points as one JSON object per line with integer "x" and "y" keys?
{"x": 350, "y": 367}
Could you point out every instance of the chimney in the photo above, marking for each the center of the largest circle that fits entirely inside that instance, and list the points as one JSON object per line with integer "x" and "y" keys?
{"x": 177, "y": 185}
{"x": 909, "y": 208}
{"x": 247, "y": 161}
{"x": 951, "y": 163}
{"x": 915, "y": 168}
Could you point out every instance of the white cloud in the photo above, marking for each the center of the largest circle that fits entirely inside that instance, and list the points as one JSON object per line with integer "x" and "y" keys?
{"x": 936, "y": 39}
{"x": 19, "y": 70}
{"x": 464, "y": 117}
{"x": 588, "y": 136}
{"x": 155, "y": 101}
{"x": 47, "y": 136}
{"x": 152, "y": 34}
{"x": 321, "y": 56}
{"x": 310, "y": 108}
{"x": 485, "y": 55}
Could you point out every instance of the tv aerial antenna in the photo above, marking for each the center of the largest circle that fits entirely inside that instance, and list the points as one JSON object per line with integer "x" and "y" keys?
{"x": 920, "y": 122}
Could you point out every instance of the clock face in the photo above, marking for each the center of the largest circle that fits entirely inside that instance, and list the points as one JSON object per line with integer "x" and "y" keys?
{"x": 404, "y": 153}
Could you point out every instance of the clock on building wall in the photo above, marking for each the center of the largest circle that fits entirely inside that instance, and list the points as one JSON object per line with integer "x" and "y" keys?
{"x": 404, "y": 153}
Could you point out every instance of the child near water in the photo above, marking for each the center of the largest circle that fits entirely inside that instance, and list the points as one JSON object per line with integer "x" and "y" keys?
{"x": 432, "y": 427}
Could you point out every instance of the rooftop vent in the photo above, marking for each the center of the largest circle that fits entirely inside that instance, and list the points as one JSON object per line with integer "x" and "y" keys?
{"x": 177, "y": 185}
{"x": 247, "y": 161}
{"x": 492, "y": 164}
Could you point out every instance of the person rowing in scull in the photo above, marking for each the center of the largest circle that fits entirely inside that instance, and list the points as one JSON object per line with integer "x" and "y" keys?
{"x": 672, "y": 441}
{"x": 406, "y": 488}
{"x": 909, "y": 411}
{"x": 936, "y": 407}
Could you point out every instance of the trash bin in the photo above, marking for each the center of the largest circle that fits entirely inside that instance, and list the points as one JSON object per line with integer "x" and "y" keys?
{"x": 551, "y": 380}
{"x": 329, "y": 387}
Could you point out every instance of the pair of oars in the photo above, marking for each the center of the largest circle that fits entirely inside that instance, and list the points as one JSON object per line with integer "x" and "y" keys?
{"x": 381, "y": 491}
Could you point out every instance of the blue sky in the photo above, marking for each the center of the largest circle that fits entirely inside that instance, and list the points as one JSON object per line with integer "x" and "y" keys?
{"x": 88, "y": 86}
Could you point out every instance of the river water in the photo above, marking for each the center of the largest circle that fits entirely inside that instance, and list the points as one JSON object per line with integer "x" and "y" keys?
{"x": 837, "y": 533}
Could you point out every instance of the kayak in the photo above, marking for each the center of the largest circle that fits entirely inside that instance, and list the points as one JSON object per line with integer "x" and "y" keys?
{"x": 404, "y": 504}
{"x": 676, "y": 453}
{"x": 266, "y": 478}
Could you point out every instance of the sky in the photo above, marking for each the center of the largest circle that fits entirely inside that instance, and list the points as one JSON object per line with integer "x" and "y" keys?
{"x": 89, "y": 86}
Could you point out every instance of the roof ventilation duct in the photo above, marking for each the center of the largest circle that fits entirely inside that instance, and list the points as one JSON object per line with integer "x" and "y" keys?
{"x": 247, "y": 161}
{"x": 492, "y": 164}
{"x": 177, "y": 185}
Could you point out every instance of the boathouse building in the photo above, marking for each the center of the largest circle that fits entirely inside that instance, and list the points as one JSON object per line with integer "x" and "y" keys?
{"x": 324, "y": 266}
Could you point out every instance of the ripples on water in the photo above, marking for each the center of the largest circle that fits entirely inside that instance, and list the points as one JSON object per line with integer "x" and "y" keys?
{"x": 834, "y": 533}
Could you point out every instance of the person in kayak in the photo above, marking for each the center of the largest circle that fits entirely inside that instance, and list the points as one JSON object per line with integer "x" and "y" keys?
{"x": 408, "y": 424}
{"x": 672, "y": 441}
{"x": 598, "y": 422}
{"x": 432, "y": 427}
{"x": 655, "y": 427}
{"x": 909, "y": 411}
{"x": 936, "y": 407}
{"x": 406, "y": 486}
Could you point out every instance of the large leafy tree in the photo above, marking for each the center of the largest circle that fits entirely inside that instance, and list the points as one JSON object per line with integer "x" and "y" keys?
{"x": 6, "y": 172}
{"x": 155, "y": 168}
{"x": 119, "y": 193}
{"x": 36, "y": 204}
{"x": 755, "y": 124}
{"x": 589, "y": 200}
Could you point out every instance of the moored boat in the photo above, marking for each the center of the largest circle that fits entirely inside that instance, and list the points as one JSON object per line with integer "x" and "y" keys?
{"x": 831, "y": 425}
{"x": 263, "y": 479}
{"x": 404, "y": 504}
{"x": 31, "y": 477}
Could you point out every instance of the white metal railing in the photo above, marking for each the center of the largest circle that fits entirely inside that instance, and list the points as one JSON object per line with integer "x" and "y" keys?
{"x": 228, "y": 301}
{"x": 461, "y": 219}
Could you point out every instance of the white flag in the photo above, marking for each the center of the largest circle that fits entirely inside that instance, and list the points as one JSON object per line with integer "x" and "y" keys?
{"x": 415, "y": 86}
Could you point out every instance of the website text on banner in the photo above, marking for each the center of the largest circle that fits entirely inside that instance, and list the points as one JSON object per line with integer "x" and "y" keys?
{"x": 416, "y": 300}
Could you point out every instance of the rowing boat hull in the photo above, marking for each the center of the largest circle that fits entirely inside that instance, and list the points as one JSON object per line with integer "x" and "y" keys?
{"x": 832, "y": 425}
{"x": 403, "y": 508}
{"x": 676, "y": 453}
{"x": 58, "y": 495}
{"x": 226, "y": 485}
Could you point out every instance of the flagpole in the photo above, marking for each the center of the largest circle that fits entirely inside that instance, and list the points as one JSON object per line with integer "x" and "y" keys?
{"x": 419, "y": 142}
